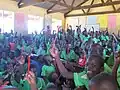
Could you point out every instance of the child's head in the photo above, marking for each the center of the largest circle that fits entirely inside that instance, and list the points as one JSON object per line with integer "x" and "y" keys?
{"x": 96, "y": 49}
{"x": 51, "y": 86}
{"x": 33, "y": 69}
{"x": 53, "y": 77}
{"x": 95, "y": 65}
{"x": 48, "y": 60}
{"x": 103, "y": 81}
{"x": 11, "y": 55}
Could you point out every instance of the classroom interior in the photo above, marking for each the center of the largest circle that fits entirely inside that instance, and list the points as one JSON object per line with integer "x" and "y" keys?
{"x": 59, "y": 44}
{"x": 37, "y": 14}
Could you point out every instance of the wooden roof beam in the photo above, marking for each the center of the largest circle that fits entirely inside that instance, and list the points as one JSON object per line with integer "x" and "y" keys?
{"x": 52, "y": 6}
{"x": 76, "y": 6}
{"x": 61, "y": 4}
{"x": 22, "y": 3}
{"x": 89, "y": 6}
{"x": 102, "y": 1}
{"x": 95, "y": 13}
{"x": 97, "y": 5}
{"x": 113, "y": 6}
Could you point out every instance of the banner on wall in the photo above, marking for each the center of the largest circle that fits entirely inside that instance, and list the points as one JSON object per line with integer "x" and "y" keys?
{"x": 112, "y": 21}
{"x": 19, "y": 20}
{"x": 103, "y": 21}
{"x": 21, "y": 23}
{"x": 91, "y": 20}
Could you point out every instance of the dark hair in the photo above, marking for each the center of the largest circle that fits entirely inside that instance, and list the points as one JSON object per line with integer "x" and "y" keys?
{"x": 51, "y": 86}
{"x": 105, "y": 82}
{"x": 17, "y": 53}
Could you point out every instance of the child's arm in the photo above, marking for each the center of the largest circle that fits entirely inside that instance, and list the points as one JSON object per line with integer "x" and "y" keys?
{"x": 30, "y": 77}
{"x": 116, "y": 65}
{"x": 61, "y": 67}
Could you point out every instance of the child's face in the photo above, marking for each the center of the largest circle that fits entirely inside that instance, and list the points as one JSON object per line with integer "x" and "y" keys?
{"x": 34, "y": 70}
{"x": 93, "y": 68}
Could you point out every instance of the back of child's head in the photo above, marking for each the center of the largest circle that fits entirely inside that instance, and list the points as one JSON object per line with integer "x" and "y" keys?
{"x": 17, "y": 53}
{"x": 51, "y": 86}
{"x": 103, "y": 81}
{"x": 96, "y": 49}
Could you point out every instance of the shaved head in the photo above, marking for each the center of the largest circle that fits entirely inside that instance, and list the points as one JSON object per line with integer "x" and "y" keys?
{"x": 103, "y": 81}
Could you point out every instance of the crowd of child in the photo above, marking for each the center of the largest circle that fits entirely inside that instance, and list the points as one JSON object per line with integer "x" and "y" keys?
{"x": 71, "y": 60}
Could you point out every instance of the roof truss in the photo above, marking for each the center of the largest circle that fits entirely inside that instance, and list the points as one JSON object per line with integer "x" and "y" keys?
{"x": 72, "y": 7}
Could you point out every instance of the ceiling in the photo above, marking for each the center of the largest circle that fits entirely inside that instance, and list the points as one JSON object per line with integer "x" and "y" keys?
{"x": 82, "y": 7}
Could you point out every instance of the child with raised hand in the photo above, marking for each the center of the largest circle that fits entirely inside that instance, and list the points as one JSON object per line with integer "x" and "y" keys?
{"x": 30, "y": 77}
{"x": 95, "y": 65}
{"x": 115, "y": 70}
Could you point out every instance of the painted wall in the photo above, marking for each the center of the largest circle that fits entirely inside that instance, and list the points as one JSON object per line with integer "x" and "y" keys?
{"x": 103, "y": 20}
{"x": 30, "y": 10}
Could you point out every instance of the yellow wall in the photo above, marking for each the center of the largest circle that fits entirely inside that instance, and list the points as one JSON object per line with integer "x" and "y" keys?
{"x": 32, "y": 10}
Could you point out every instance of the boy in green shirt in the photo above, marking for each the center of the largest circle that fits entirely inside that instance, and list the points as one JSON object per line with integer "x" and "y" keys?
{"x": 68, "y": 54}
{"x": 94, "y": 66}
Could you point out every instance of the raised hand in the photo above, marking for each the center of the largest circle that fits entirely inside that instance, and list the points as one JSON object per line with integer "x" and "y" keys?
{"x": 117, "y": 57}
{"x": 54, "y": 51}
{"x": 30, "y": 77}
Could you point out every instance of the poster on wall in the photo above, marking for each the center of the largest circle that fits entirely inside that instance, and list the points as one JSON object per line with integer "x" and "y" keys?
{"x": 20, "y": 22}
{"x": 103, "y": 21}
{"x": 112, "y": 21}
{"x": 91, "y": 20}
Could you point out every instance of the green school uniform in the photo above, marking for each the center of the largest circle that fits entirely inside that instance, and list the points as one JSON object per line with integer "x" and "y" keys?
{"x": 107, "y": 38}
{"x": 2, "y": 64}
{"x": 40, "y": 84}
{"x": 47, "y": 70}
{"x": 1, "y": 74}
{"x": 35, "y": 49}
{"x": 80, "y": 79}
{"x": 1, "y": 37}
{"x": 41, "y": 51}
{"x": 82, "y": 37}
{"x": 96, "y": 40}
{"x": 48, "y": 48}
{"x": 86, "y": 38}
{"x": 23, "y": 42}
{"x": 23, "y": 85}
{"x": 118, "y": 75}
{"x": 28, "y": 49}
{"x": 104, "y": 53}
{"x": 118, "y": 47}
{"x": 110, "y": 61}
{"x": 107, "y": 69}
{"x": 19, "y": 47}
{"x": 70, "y": 56}
{"x": 103, "y": 38}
